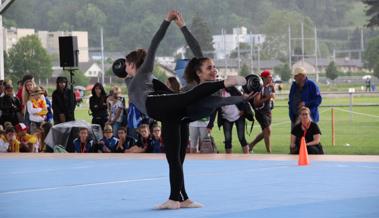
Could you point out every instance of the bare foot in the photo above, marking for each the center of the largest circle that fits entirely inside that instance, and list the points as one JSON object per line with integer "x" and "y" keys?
{"x": 169, "y": 204}
{"x": 190, "y": 204}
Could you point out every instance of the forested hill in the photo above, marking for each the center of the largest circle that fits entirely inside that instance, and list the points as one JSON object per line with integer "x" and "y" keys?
{"x": 131, "y": 23}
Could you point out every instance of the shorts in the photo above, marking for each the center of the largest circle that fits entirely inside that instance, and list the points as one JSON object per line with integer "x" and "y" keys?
{"x": 264, "y": 119}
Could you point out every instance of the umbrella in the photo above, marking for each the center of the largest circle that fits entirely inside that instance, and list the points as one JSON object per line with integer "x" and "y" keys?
{"x": 366, "y": 77}
{"x": 89, "y": 87}
{"x": 64, "y": 133}
{"x": 80, "y": 87}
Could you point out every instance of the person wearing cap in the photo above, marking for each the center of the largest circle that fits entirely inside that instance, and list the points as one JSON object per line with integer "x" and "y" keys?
{"x": 303, "y": 92}
{"x": 27, "y": 141}
{"x": 63, "y": 102}
{"x": 37, "y": 108}
{"x": 9, "y": 106}
{"x": 263, "y": 104}
{"x": 108, "y": 143}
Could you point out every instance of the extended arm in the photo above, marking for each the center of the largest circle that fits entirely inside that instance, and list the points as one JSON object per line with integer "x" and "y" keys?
{"x": 148, "y": 64}
{"x": 190, "y": 39}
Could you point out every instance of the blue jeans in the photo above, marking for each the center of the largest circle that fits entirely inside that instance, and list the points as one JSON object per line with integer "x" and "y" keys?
{"x": 228, "y": 127}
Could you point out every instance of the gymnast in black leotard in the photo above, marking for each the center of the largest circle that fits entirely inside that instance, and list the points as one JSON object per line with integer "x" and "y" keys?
{"x": 173, "y": 110}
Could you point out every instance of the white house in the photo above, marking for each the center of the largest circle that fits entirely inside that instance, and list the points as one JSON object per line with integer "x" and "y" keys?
{"x": 224, "y": 44}
{"x": 92, "y": 70}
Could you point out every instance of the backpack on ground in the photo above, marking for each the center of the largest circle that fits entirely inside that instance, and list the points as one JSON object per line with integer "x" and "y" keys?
{"x": 208, "y": 145}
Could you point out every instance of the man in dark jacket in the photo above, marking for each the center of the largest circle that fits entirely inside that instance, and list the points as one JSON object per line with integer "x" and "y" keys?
{"x": 63, "y": 102}
{"x": 303, "y": 92}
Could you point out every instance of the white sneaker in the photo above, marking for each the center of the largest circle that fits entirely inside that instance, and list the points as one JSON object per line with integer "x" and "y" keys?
{"x": 190, "y": 204}
{"x": 170, "y": 204}
{"x": 234, "y": 81}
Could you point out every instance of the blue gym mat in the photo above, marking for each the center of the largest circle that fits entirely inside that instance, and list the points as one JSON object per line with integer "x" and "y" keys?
{"x": 130, "y": 188}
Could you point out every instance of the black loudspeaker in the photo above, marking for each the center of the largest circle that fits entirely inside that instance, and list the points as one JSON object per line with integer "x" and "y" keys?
{"x": 68, "y": 51}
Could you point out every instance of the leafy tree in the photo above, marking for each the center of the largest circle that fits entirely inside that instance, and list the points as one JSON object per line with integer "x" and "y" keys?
{"x": 276, "y": 30}
{"x": 6, "y": 63}
{"x": 372, "y": 12}
{"x": 91, "y": 18}
{"x": 284, "y": 71}
{"x": 201, "y": 31}
{"x": 125, "y": 27}
{"x": 79, "y": 79}
{"x": 325, "y": 13}
{"x": 28, "y": 56}
{"x": 371, "y": 55}
{"x": 331, "y": 71}
{"x": 245, "y": 70}
{"x": 376, "y": 70}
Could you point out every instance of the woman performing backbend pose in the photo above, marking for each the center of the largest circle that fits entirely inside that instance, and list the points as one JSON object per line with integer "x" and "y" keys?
{"x": 173, "y": 110}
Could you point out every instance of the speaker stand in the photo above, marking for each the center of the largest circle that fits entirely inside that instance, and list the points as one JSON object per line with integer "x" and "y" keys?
{"x": 72, "y": 96}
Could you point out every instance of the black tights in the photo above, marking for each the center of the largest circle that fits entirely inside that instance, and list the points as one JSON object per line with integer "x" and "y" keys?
{"x": 175, "y": 139}
{"x": 170, "y": 109}
{"x": 173, "y": 107}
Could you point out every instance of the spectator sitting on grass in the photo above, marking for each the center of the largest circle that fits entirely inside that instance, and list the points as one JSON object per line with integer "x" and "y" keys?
{"x": 124, "y": 141}
{"x": 108, "y": 143}
{"x": 27, "y": 141}
{"x": 83, "y": 144}
{"x": 305, "y": 127}
{"x": 45, "y": 128}
{"x": 143, "y": 142}
{"x": 156, "y": 142}
{"x": 8, "y": 141}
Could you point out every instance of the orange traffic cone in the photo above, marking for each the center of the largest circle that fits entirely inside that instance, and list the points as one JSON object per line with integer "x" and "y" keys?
{"x": 303, "y": 153}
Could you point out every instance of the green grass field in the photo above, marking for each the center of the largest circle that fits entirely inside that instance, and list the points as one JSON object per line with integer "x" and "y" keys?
{"x": 356, "y": 134}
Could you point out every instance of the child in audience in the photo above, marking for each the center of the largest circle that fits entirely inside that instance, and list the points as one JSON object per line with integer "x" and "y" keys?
{"x": 8, "y": 141}
{"x": 124, "y": 141}
{"x": 108, "y": 143}
{"x": 27, "y": 141}
{"x": 38, "y": 147}
{"x": 45, "y": 128}
{"x": 143, "y": 142}
{"x": 156, "y": 142}
{"x": 49, "y": 115}
{"x": 37, "y": 108}
{"x": 83, "y": 144}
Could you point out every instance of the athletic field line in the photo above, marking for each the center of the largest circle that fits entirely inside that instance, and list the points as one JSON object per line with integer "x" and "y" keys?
{"x": 29, "y": 190}
{"x": 363, "y": 114}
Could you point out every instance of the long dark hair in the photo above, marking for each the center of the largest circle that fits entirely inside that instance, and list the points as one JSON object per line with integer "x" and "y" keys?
{"x": 61, "y": 79}
{"x": 102, "y": 94}
{"x": 136, "y": 57}
{"x": 194, "y": 65}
